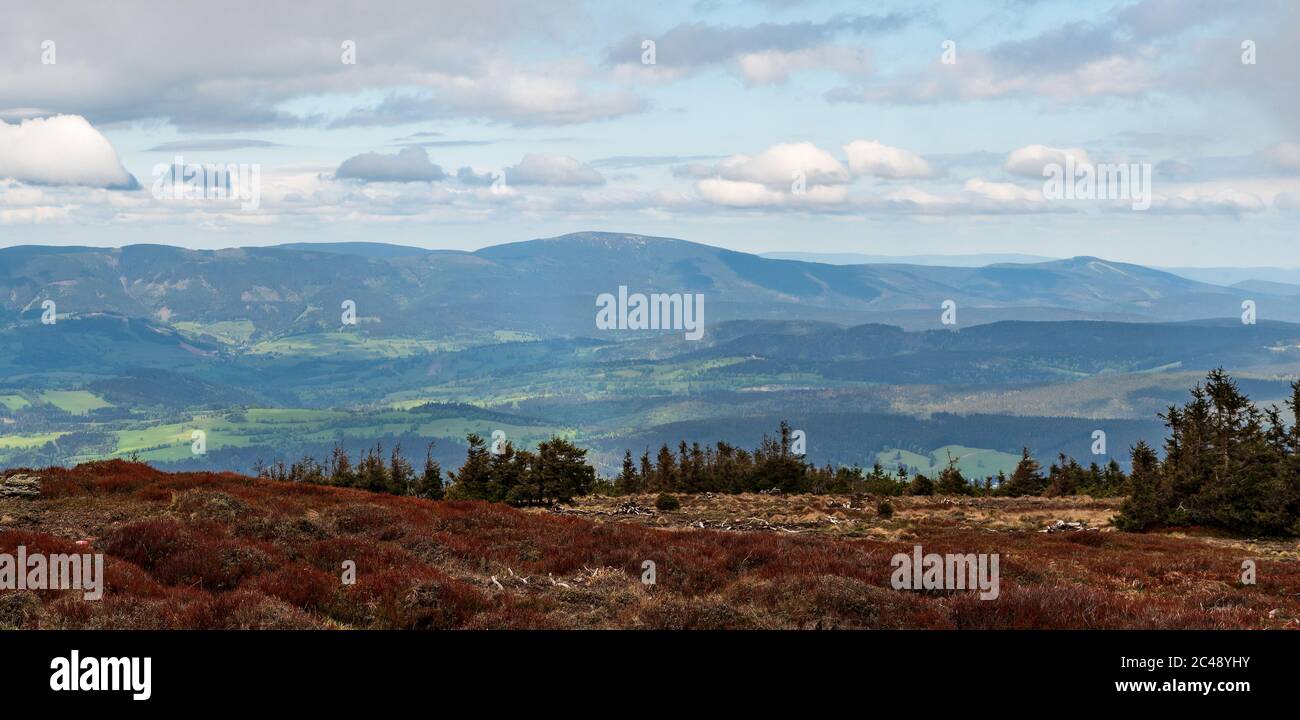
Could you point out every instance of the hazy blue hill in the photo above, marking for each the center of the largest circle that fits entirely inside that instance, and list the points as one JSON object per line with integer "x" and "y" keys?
{"x": 1011, "y": 352}
{"x": 1268, "y": 287}
{"x": 1233, "y": 275}
{"x": 98, "y": 343}
{"x": 547, "y": 287}
{"x": 362, "y": 249}
{"x": 975, "y": 260}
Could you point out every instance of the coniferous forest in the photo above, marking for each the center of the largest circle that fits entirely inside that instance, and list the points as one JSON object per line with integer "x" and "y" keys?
{"x": 1225, "y": 464}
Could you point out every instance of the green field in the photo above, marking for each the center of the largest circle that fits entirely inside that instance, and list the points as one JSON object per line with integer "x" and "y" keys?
{"x": 18, "y": 442}
{"x": 280, "y": 427}
{"x": 350, "y": 344}
{"x": 14, "y": 402}
{"x": 77, "y": 402}
{"x": 972, "y": 462}
{"x": 230, "y": 332}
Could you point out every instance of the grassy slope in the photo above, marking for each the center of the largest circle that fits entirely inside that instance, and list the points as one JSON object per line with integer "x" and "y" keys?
{"x": 219, "y": 551}
{"x": 972, "y": 462}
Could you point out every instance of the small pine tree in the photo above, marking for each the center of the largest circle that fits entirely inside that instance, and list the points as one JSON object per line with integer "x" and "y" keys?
{"x": 429, "y": 485}
{"x": 401, "y": 476}
{"x": 473, "y": 479}
{"x": 920, "y": 485}
{"x": 1027, "y": 479}
{"x": 1142, "y": 508}
{"x": 341, "y": 468}
{"x": 629, "y": 482}
{"x": 951, "y": 481}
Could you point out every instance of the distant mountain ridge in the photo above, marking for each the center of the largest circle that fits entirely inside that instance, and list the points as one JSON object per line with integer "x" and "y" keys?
{"x": 973, "y": 260}
{"x": 546, "y": 287}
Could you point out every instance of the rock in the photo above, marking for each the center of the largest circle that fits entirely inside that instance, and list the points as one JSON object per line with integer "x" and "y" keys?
{"x": 20, "y": 486}
{"x": 1060, "y": 526}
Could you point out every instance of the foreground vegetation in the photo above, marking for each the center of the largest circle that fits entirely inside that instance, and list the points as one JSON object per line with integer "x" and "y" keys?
{"x": 200, "y": 550}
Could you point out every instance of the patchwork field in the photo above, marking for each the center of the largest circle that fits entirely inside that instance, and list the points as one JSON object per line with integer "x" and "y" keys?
{"x": 202, "y": 550}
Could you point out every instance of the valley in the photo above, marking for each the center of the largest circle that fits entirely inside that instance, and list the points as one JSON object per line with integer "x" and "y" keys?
{"x": 240, "y": 345}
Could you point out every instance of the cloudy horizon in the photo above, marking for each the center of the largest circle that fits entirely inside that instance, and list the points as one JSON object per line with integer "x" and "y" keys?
{"x": 761, "y": 126}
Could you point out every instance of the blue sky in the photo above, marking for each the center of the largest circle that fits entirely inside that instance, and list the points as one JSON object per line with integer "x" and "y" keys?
{"x": 900, "y": 153}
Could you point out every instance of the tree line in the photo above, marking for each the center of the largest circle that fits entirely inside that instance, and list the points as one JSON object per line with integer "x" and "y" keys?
{"x": 773, "y": 467}
{"x": 557, "y": 472}
{"x": 1225, "y": 464}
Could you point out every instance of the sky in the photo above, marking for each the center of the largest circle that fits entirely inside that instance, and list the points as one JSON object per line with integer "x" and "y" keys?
{"x": 759, "y": 125}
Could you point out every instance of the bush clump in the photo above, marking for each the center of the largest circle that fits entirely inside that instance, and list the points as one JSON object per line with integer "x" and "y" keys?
{"x": 667, "y": 503}
{"x": 1226, "y": 464}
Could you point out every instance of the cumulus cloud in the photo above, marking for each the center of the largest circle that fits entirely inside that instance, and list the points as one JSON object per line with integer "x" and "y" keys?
{"x": 1001, "y": 192}
{"x": 1198, "y": 201}
{"x": 1029, "y": 161}
{"x": 760, "y": 54}
{"x": 522, "y": 95}
{"x": 1119, "y": 54}
{"x": 740, "y": 193}
{"x": 410, "y": 164}
{"x": 553, "y": 170}
{"x": 60, "y": 150}
{"x": 870, "y": 157}
{"x": 977, "y": 197}
{"x": 475, "y": 60}
{"x": 772, "y": 67}
{"x": 776, "y": 167}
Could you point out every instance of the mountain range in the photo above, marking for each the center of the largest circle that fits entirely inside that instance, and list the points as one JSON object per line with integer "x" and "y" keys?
{"x": 151, "y": 342}
{"x": 547, "y": 287}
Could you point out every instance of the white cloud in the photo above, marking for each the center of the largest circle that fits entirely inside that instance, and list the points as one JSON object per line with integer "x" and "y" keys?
{"x": 1069, "y": 63}
{"x": 553, "y": 170}
{"x": 1029, "y": 161}
{"x": 1199, "y": 201}
{"x": 778, "y": 166}
{"x": 737, "y": 193}
{"x": 1001, "y": 192}
{"x": 138, "y": 60}
{"x": 742, "y": 193}
{"x": 772, "y": 67}
{"x": 870, "y": 157}
{"x": 61, "y": 150}
{"x": 411, "y": 164}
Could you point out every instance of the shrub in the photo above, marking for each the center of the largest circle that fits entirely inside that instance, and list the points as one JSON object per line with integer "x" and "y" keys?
{"x": 667, "y": 503}
{"x": 920, "y": 485}
{"x": 884, "y": 509}
{"x": 148, "y": 542}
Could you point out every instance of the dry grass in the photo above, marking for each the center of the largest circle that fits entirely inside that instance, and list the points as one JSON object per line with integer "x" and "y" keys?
{"x": 226, "y": 551}
{"x": 854, "y": 517}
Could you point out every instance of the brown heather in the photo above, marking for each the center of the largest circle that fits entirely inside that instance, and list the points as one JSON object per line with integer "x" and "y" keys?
{"x": 198, "y": 550}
